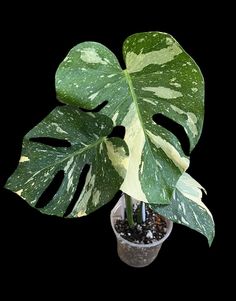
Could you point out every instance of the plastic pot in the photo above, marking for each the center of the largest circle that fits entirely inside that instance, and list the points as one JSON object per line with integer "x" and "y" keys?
{"x": 135, "y": 255}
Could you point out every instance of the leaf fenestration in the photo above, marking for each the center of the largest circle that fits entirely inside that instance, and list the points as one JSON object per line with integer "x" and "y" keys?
{"x": 160, "y": 78}
{"x": 39, "y": 163}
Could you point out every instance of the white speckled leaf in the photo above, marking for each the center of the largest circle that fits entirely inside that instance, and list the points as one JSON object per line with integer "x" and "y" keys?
{"x": 39, "y": 163}
{"x": 186, "y": 208}
{"x": 160, "y": 78}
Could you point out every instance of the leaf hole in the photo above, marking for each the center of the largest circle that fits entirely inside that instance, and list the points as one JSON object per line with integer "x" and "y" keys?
{"x": 52, "y": 141}
{"x": 175, "y": 129}
{"x": 78, "y": 191}
{"x": 97, "y": 108}
{"x": 51, "y": 190}
{"x": 118, "y": 131}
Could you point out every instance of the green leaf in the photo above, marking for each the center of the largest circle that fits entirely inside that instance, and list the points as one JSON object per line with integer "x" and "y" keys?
{"x": 186, "y": 208}
{"x": 160, "y": 78}
{"x": 39, "y": 163}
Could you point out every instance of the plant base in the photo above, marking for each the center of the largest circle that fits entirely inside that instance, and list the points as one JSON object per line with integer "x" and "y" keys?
{"x": 135, "y": 255}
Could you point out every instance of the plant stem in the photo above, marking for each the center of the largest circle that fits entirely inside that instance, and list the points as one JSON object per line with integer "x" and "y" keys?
{"x": 141, "y": 218}
{"x": 143, "y": 212}
{"x": 129, "y": 210}
{"x": 139, "y": 214}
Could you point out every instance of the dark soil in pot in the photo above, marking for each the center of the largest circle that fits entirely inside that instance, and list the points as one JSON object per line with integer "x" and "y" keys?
{"x": 152, "y": 230}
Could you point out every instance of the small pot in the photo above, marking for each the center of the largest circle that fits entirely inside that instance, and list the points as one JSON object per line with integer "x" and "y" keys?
{"x": 135, "y": 255}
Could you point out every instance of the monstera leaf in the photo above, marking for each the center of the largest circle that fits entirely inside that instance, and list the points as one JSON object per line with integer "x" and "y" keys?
{"x": 160, "y": 78}
{"x": 39, "y": 162}
{"x": 186, "y": 207}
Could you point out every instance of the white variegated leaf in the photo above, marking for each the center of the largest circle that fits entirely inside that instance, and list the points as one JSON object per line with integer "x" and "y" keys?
{"x": 160, "y": 78}
{"x": 187, "y": 208}
{"x": 39, "y": 163}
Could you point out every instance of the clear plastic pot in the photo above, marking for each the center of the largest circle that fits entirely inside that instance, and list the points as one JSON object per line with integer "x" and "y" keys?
{"x": 135, "y": 255}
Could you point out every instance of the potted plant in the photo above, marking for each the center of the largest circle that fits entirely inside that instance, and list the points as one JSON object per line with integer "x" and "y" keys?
{"x": 161, "y": 86}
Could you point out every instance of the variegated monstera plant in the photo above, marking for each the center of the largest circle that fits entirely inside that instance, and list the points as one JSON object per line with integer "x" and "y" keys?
{"x": 149, "y": 164}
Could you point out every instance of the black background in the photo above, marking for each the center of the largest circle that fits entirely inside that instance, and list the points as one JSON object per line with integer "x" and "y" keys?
{"x": 79, "y": 256}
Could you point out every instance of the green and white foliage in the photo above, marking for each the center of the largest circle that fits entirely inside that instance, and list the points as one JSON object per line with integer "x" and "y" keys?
{"x": 39, "y": 163}
{"x": 187, "y": 208}
{"x": 160, "y": 77}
